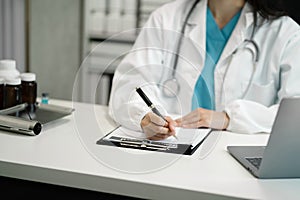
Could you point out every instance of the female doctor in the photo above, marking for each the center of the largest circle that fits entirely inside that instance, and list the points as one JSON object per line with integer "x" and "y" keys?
{"x": 233, "y": 63}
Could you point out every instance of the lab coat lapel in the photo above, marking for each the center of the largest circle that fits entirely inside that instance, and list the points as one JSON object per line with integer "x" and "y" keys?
{"x": 239, "y": 33}
{"x": 196, "y": 30}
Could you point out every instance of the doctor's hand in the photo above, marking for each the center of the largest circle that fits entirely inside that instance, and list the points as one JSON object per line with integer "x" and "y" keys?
{"x": 156, "y": 128}
{"x": 201, "y": 117}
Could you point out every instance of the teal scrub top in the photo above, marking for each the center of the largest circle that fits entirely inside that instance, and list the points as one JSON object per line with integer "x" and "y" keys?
{"x": 216, "y": 39}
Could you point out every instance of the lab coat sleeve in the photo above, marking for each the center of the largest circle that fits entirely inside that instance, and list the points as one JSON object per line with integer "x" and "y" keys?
{"x": 251, "y": 117}
{"x": 139, "y": 68}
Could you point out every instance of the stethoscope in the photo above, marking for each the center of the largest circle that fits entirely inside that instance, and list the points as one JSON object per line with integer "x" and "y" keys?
{"x": 171, "y": 86}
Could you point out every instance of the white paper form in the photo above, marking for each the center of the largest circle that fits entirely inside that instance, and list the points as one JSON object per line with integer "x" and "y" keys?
{"x": 184, "y": 135}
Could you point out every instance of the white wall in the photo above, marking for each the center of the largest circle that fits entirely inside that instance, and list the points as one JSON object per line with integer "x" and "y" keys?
{"x": 55, "y": 42}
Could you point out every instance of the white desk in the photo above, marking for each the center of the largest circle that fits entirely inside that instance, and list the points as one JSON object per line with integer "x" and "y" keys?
{"x": 61, "y": 155}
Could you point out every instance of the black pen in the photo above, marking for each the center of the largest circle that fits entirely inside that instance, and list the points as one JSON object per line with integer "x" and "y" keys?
{"x": 151, "y": 105}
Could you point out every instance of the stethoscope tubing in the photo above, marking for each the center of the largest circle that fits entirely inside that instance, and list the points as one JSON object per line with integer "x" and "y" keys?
{"x": 182, "y": 32}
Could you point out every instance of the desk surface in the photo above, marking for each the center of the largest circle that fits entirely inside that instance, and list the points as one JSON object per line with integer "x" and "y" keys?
{"x": 65, "y": 153}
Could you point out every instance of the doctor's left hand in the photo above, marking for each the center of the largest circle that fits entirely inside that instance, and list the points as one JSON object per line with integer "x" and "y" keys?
{"x": 156, "y": 128}
{"x": 201, "y": 117}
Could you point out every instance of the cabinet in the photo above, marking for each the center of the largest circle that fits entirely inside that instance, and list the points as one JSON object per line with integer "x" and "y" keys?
{"x": 110, "y": 29}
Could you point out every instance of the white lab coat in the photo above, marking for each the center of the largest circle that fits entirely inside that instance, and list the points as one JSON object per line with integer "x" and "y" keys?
{"x": 149, "y": 64}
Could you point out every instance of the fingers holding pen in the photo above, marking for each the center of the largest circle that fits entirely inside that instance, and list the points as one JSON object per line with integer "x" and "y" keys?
{"x": 157, "y": 128}
{"x": 154, "y": 126}
{"x": 154, "y": 118}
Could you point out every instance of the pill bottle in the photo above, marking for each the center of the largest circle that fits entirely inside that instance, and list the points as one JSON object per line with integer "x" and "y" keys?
{"x": 1, "y": 93}
{"x": 29, "y": 89}
{"x": 12, "y": 92}
{"x": 8, "y": 69}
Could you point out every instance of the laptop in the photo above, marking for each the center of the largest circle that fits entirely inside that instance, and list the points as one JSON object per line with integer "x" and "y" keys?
{"x": 280, "y": 158}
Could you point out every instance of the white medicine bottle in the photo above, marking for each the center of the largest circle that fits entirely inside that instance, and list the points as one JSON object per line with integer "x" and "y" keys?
{"x": 8, "y": 69}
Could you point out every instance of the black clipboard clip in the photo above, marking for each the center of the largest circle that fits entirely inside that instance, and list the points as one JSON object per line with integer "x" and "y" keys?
{"x": 143, "y": 143}
{"x": 146, "y": 144}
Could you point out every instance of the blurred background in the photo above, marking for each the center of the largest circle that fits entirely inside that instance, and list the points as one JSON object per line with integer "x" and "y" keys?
{"x": 53, "y": 37}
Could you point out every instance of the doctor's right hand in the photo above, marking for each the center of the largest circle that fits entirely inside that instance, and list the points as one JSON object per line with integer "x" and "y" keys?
{"x": 156, "y": 128}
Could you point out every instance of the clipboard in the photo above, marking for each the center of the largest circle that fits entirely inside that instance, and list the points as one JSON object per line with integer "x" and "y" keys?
{"x": 122, "y": 141}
